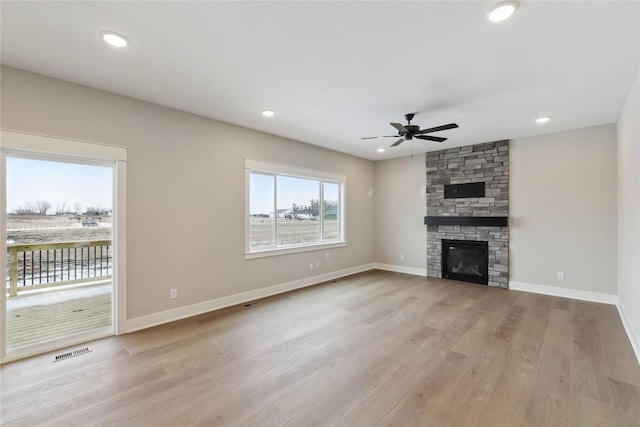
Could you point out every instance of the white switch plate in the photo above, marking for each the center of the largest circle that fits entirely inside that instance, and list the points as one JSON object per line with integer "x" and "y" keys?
{"x": 173, "y": 293}
{"x": 560, "y": 275}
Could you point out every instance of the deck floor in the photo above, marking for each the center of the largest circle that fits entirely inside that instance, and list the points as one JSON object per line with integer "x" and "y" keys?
{"x": 50, "y": 315}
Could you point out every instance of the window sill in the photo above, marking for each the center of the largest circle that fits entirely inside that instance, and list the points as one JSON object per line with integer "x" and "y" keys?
{"x": 293, "y": 250}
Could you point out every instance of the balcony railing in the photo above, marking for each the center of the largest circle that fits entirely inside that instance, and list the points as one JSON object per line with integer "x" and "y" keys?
{"x": 43, "y": 265}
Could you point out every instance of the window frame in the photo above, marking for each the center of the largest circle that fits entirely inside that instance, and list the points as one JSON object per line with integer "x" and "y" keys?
{"x": 275, "y": 170}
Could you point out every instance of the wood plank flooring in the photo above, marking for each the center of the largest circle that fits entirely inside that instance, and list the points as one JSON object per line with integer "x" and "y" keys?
{"x": 373, "y": 349}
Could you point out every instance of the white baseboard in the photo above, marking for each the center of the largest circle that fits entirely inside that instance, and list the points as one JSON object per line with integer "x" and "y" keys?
{"x": 402, "y": 269}
{"x": 632, "y": 339}
{"x": 155, "y": 319}
{"x": 564, "y": 292}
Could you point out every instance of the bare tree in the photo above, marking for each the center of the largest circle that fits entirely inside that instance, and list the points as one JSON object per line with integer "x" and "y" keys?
{"x": 96, "y": 211}
{"x": 76, "y": 208}
{"x": 315, "y": 207}
{"x": 62, "y": 208}
{"x": 27, "y": 209}
{"x": 330, "y": 204}
{"x": 43, "y": 206}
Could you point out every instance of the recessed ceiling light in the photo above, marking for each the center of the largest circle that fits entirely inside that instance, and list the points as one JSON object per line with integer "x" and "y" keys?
{"x": 543, "y": 119}
{"x": 268, "y": 113}
{"x": 380, "y": 150}
{"x": 114, "y": 39}
{"x": 502, "y": 11}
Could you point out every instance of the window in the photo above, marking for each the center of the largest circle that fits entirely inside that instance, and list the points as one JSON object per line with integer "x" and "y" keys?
{"x": 291, "y": 209}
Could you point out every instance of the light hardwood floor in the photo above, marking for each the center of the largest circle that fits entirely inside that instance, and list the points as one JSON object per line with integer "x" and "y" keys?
{"x": 376, "y": 348}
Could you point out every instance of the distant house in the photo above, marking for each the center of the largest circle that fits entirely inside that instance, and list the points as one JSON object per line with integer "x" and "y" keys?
{"x": 304, "y": 215}
{"x": 283, "y": 213}
{"x": 331, "y": 212}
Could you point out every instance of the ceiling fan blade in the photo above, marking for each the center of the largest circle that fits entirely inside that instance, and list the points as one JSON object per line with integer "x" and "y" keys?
{"x": 400, "y": 128}
{"x": 437, "y": 128}
{"x": 398, "y": 142}
{"x": 431, "y": 138}
{"x": 376, "y": 137}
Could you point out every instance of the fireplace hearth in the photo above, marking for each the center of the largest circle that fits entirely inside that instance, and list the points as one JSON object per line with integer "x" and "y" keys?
{"x": 466, "y": 260}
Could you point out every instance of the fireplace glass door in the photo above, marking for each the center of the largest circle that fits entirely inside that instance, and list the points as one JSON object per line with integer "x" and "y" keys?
{"x": 465, "y": 260}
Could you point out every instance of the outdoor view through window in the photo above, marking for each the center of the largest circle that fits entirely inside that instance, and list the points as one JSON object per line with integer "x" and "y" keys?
{"x": 59, "y": 251}
{"x": 287, "y": 211}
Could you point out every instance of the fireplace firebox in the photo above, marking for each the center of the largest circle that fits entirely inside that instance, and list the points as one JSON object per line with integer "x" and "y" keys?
{"x": 466, "y": 260}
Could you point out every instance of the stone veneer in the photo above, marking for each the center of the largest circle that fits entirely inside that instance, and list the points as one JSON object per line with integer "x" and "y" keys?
{"x": 487, "y": 163}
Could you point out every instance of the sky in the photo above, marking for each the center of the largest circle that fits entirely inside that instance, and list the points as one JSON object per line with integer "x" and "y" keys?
{"x": 30, "y": 180}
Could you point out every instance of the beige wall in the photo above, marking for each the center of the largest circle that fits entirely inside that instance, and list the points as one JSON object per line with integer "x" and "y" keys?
{"x": 563, "y": 209}
{"x": 400, "y": 207}
{"x": 629, "y": 212}
{"x": 185, "y": 196}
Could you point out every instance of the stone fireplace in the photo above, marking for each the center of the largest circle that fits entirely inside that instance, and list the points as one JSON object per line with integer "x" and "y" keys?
{"x": 467, "y": 202}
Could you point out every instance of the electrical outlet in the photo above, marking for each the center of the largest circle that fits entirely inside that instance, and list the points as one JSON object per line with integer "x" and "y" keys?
{"x": 401, "y": 257}
{"x": 173, "y": 293}
{"x": 560, "y": 275}
{"x": 310, "y": 267}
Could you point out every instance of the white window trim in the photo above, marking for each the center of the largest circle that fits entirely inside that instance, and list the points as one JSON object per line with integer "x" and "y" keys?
{"x": 293, "y": 249}
{"x": 259, "y": 166}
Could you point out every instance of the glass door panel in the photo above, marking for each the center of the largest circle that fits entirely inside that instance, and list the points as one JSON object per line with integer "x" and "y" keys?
{"x": 59, "y": 250}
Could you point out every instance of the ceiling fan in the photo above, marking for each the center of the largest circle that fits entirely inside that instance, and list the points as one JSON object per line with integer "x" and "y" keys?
{"x": 408, "y": 132}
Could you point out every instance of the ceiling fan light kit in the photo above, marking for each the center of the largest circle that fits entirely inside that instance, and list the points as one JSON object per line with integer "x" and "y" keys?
{"x": 408, "y": 132}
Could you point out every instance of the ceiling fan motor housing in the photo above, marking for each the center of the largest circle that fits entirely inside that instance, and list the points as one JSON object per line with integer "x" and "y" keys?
{"x": 412, "y": 128}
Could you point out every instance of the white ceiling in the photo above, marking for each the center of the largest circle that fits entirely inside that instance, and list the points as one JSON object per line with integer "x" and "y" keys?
{"x": 337, "y": 71}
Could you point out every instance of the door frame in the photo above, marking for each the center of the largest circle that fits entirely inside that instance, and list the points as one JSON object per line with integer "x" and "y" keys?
{"x": 25, "y": 143}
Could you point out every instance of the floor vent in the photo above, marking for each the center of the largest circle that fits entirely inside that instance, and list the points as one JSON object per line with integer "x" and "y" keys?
{"x": 72, "y": 353}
